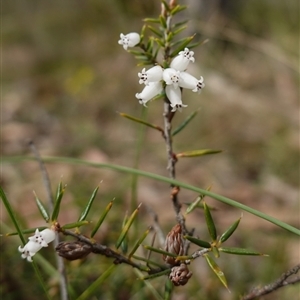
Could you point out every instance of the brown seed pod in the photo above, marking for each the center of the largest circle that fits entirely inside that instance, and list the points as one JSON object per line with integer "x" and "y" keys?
{"x": 174, "y": 243}
{"x": 73, "y": 250}
{"x": 180, "y": 275}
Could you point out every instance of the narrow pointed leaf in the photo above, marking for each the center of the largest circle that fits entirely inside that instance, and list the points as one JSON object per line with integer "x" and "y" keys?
{"x": 178, "y": 8}
{"x": 240, "y": 251}
{"x": 101, "y": 219}
{"x": 124, "y": 244}
{"x": 41, "y": 208}
{"x": 159, "y": 251}
{"x": 165, "y": 5}
{"x": 179, "y": 24}
{"x": 127, "y": 226}
{"x": 26, "y": 231}
{"x": 160, "y": 42}
{"x": 198, "y": 242}
{"x": 213, "y": 265}
{"x": 169, "y": 286}
{"x": 195, "y": 153}
{"x": 182, "y": 45}
{"x": 59, "y": 195}
{"x": 162, "y": 21}
{"x": 226, "y": 235}
{"x": 197, "y": 44}
{"x": 149, "y": 262}
{"x": 180, "y": 29}
{"x": 155, "y": 31}
{"x": 75, "y": 224}
{"x": 185, "y": 122}
{"x": 139, "y": 242}
{"x": 196, "y": 203}
{"x": 151, "y": 20}
{"x": 210, "y": 222}
{"x": 141, "y": 121}
{"x": 216, "y": 252}
{"x": 167, "y": 271}
{"x": 89, "y": 205}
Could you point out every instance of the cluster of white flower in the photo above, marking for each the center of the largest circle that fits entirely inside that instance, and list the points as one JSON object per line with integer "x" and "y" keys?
{"x": 36, "y": 243}
{"x": 174, "y": 77}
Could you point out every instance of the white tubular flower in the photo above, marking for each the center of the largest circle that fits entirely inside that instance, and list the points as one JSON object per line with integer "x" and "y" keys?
{"x": 152, "y": 75}
{"x": 182, "y": 60}
{"x": 174, "y": 96}
{"x": 188, "y": 81}
{"x": 171, "y": 76}
{"x": 29, "y": 250}
{"x": 129, "y": 40}
{"x": 149, "y": 91}
{"x": 36, "y": 243}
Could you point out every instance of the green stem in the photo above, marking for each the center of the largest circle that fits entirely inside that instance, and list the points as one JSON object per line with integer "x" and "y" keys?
{"x": 163, "y": 179}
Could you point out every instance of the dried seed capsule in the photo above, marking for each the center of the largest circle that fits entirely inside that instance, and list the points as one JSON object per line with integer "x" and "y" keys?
{"x": 180, "y": 275}
{"x": 174, "y": 243}
{"x": 73, "y": 250}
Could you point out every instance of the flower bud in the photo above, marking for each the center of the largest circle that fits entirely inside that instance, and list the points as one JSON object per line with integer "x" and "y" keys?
{"x": 73, "y": 250}
{"x": 174, "y": 244}
{"x": 180, "y": 275}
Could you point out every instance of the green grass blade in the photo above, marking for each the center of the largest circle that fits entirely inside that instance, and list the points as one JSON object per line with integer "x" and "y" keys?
{"x": 12, "y": 215}
{"x": 89, "y": 205}
{"x": 169, "y": 286}
{"x": 150, "y": 287}
{"x": 15, "y": 222}
{"x": 18, "y": 159}
{"x": 94, "y": 287}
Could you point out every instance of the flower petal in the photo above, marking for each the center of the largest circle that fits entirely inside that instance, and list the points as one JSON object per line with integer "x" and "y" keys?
{"x": 182, "y": 60}
{"x": 153, "y": 74}
{"x": 174, "y": 96}
{"x": 188, "y": 81}
{"x": 149, "y": 92}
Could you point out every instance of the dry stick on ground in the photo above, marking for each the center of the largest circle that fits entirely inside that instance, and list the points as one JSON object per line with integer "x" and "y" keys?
{"x": 278, "y": 283}
{"x": 59, "y": 261}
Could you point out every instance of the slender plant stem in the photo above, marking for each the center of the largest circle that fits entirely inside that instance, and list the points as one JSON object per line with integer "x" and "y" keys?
{"x": 59, "y": 260}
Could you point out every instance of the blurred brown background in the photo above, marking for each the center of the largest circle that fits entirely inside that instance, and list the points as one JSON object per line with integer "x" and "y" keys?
{"x": 65, "y": 78}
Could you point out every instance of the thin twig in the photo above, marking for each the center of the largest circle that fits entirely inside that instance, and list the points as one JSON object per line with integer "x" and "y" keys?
{"x": 59, "y": 260}
{"x": 278, "y": 283}
{"x": 106, "y": 251}
{"x": 168, "y": 115}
